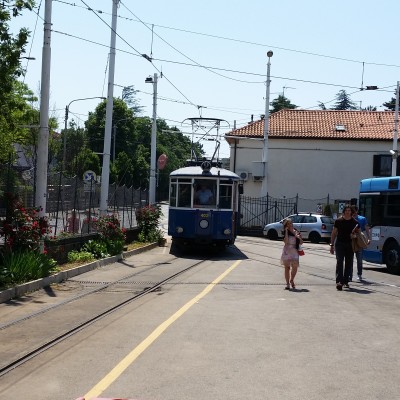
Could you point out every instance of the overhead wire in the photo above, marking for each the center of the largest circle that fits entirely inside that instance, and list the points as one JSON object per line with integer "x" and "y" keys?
{"x": 242, "y": 41}
{"x": 210, "y": 67}
{"x": 142, "y": 55}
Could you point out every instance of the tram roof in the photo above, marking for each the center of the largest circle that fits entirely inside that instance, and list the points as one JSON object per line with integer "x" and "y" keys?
{"x": 198, "y": 172}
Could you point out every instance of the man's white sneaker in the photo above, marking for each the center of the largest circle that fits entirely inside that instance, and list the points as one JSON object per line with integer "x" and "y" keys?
{"x": 359, "y": 278}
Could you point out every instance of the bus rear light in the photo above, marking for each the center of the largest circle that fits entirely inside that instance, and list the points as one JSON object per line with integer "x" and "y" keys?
{"x": 179, "y": 229}
{"x": 227, "y": 231}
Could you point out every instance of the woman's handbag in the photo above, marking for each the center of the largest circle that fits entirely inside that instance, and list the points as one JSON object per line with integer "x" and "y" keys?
{"x": 359, "y": 242}
{"x": 362, "y": 240}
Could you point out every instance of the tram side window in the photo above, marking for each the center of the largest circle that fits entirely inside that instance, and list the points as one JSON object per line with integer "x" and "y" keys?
{"x": 184, "y": 195}
{"x": 172, "y": 195}
{"x": 225, "y": 196}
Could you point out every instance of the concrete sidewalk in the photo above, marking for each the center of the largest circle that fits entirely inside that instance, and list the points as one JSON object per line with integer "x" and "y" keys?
{"x": 37, "y": 284}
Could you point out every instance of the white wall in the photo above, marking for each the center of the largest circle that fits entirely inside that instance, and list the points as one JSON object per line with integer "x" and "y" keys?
{"x": 310, "y": 168}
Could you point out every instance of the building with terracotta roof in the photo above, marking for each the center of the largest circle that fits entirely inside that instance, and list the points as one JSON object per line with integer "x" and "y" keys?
{"x": 314, "y": 153}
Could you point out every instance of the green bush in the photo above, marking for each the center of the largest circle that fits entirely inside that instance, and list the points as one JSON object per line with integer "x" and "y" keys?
{"x": 148, "y": 219}
{"x": 97, "y": 247}
{"x": 24, "y": 266}
{"x": 80, "y": 256}
{"x": 115, "y": 247}
{"x": 154, "y": 235}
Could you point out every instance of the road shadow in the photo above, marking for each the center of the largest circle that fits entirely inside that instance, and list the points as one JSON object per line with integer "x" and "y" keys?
{"x": 203, "y": 252}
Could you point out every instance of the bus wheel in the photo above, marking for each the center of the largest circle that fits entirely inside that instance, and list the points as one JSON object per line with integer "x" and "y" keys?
{"x": 392, "y": 257}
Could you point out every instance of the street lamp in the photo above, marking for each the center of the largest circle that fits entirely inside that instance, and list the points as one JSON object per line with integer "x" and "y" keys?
{"x": 152, "y": 183}
{"x": 65, "y": 126}
{"x": 264, "y": 189}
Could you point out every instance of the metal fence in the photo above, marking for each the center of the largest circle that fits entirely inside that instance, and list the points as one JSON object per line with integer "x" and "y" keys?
{"x": 73, "y": 205}
{"x": 256, "y": 212}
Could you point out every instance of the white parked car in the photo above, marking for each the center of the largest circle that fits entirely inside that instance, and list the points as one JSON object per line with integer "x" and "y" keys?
{"x": 313, "y": 227}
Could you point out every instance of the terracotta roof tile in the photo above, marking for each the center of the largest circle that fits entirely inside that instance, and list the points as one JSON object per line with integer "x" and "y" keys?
{"x": 323, "y": 124}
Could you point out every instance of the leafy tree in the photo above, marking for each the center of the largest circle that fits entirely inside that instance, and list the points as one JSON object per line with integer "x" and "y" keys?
{"x": 391, "y": 105}
{"x": 343, "y": 102}
{"x": 369, "y": 108}
{"x": 122, "y": 132}
{"x": 133, "y": 143}
{"x": 13, "y": 105}
{"x": 141, "y": 166}
{"x": 86, "y": 159}
{"x": 76, "y": 139}
{"x": 280, "y": 103}
{"x": 12, "y": 47}
{"x": 129, "y": 97}
{"x": 124, "y": 169}
{"x": 321, "y": 105}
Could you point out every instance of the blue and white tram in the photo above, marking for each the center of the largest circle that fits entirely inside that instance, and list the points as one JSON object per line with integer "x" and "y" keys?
{"x": 203, "y": 206}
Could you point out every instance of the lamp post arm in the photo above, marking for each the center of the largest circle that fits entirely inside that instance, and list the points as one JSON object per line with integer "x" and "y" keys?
{"x": 66, "y": 126}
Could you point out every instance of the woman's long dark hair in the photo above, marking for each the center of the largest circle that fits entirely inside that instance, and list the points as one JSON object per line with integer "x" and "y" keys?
{"x": 297, "y": 239}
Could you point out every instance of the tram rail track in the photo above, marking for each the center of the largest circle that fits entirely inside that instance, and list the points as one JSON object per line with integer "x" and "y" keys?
{"x": 31, "y": 353}
{"x": 369, "y": 285}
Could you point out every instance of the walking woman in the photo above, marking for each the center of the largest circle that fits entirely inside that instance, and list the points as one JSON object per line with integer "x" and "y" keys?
{"x": 290, "y": 255}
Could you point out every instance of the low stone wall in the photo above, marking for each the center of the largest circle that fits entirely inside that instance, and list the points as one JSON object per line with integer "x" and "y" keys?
{"x": 59, "y": 249}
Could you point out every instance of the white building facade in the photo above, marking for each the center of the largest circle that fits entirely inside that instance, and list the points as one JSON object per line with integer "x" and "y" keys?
{"x": 313, "y": 154}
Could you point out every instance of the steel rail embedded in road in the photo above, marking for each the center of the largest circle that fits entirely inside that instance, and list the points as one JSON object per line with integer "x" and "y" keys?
{"x": 31, "y": 354}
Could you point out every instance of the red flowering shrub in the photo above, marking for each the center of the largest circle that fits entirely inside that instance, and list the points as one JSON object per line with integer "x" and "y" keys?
{"x": 109, "y": 228}
{"x": 23, "y": 228}
{"x": 148, "y": 218}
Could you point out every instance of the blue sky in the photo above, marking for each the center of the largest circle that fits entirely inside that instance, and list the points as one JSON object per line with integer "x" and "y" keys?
{"x": 213, "y": 55}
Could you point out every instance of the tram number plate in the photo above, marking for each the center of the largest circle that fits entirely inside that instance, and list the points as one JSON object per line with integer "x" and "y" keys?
{"x": 204, "y": 215}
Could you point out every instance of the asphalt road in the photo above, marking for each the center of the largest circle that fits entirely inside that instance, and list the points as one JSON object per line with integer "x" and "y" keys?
{"x": 224, "y": 330}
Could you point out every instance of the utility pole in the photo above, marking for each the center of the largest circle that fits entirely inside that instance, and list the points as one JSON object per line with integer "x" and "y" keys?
{"x": 105, "y": 173}
{"x": 152, "y": 183}
{"x": 395, "y": 152}
{"x": 264, "y": 187}
{"x": 43, "y": 140}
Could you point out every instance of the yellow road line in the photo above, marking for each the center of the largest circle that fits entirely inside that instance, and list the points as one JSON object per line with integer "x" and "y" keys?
{"x": 137, "y": 351}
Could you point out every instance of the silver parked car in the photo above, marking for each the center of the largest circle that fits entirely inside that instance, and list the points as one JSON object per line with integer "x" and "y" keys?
{"x": 314, "y": 227}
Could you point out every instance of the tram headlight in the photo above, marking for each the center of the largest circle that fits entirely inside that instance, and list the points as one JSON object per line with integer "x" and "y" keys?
{"x": 179, "y": 229}
{"x": 204, "y": 224}
{"x": 227, "y": 231}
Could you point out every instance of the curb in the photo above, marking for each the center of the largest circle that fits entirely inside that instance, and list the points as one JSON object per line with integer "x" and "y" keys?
{"x": 37, "y": 284}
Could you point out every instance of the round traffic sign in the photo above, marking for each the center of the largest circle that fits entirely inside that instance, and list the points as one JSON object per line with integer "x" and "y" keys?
{"x": 89, "y": 176}
{"x": 162, "y": 161}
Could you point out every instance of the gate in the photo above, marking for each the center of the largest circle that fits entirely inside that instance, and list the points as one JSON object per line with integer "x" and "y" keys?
{"x": 256, "y": 212}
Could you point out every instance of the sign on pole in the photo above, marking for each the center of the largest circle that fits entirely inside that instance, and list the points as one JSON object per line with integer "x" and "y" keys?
{"x": 162, "y": 161}
{"x": 89, "y": 180}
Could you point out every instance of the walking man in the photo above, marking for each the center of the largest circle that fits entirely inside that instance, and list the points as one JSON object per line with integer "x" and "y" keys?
{"x": 343, "y": 228}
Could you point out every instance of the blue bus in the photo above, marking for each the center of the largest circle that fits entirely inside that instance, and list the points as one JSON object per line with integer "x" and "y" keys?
{"x": 380, "y": 204}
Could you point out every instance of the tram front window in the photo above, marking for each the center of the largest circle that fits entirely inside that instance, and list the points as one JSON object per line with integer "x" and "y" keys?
{"x": 204, "y": 195}
{"x": 184, "y": 195}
